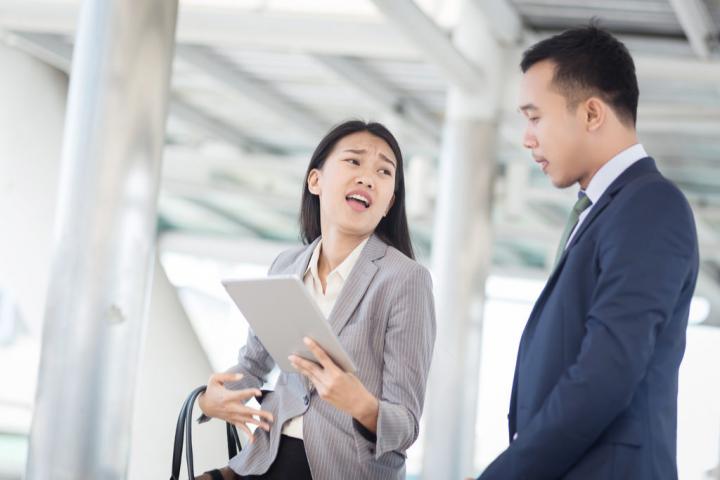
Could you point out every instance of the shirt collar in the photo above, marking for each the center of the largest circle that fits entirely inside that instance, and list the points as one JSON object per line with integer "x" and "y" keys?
{"x": 343, "y": 270}
{"x": 612, "y": 170}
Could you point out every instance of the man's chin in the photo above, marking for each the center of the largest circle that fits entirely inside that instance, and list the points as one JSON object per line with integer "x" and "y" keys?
{"x": 562, "y": 183}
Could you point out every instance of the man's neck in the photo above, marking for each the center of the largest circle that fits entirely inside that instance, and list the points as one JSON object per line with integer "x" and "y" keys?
{"x": 605, "y": 154}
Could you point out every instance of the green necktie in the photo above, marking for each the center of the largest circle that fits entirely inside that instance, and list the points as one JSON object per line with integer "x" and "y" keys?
{"x": 580, "y": 206}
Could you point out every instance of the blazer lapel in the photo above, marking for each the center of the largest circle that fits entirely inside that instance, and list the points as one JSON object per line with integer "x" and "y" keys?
{"x": 357, "y": 283}
{"x": 299, "y": 266}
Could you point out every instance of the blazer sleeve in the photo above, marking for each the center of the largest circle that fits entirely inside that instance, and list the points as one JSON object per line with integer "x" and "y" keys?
{"x": 409, "y": 341}
{"x": 646, "y": 259}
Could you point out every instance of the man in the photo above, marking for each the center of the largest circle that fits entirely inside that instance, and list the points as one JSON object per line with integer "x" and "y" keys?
{"x": 596, "y": 380}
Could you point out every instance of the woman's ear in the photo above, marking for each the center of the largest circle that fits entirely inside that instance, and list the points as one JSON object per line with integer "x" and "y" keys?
{"x": 313, "y": 181}
{"x": 390, "y": 205}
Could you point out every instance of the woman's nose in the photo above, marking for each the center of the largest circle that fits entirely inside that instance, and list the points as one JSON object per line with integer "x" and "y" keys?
{"x": 364, "y": 181}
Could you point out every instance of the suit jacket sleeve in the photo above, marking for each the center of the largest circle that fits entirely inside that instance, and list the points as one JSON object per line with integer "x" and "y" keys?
{"x": 644, "y": 260}
{"x": 409, "y": 341}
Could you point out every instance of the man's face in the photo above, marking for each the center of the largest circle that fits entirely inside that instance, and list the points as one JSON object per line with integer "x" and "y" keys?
{"x": 553, "y": 134}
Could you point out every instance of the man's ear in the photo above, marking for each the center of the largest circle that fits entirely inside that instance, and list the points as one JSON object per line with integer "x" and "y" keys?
{"x": 392, "y": 202}
{"x": 595, "y": 112}
{"x": 313, "y": 181}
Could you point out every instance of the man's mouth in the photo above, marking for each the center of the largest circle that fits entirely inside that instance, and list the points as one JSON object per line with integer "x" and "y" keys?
{"x": 542, "y": 162}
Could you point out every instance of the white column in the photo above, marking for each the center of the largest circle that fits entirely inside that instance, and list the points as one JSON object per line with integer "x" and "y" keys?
{"x": 104, "y": 240}
{"x": 462, "y": 254}
{"x": 173, "y": 363}
{"x": 32, "y": 96}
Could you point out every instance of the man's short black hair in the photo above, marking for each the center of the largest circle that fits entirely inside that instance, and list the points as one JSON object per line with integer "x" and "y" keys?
{"x": 590, "y": 62}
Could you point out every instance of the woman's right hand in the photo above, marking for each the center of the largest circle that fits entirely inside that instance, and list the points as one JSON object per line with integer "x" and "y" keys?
{"x": 229, "y": 405}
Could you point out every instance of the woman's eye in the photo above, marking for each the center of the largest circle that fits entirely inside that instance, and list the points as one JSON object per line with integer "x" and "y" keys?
{"x": 534, "y": 119}
{"x": 386, "y": 172}
{"x": 353, "y": 161}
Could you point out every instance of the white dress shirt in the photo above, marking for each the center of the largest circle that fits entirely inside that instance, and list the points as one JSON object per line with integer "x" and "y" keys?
{"x": 326, "y": 301}
{"x": 607, "y": 174}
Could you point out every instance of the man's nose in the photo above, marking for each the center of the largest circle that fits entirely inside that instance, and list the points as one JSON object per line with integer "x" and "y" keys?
{"x": 529, "y": 141}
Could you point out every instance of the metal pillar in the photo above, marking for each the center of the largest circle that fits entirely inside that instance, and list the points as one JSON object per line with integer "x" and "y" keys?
{"x": 462, "y": 256}
{"x": 104, "y": 240}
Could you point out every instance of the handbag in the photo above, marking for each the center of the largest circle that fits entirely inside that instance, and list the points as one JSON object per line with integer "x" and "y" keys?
{"x": 184, "y": 430}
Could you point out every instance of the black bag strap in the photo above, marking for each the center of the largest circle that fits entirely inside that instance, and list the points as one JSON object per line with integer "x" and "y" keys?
{"x": 233, "y": 440}
{"x": 183, "y": 428}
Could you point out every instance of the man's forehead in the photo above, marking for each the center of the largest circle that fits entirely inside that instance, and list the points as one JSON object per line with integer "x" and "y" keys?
{"x": 536, "y": 83}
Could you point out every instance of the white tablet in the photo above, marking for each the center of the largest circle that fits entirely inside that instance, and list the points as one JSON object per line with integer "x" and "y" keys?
{"x": 281, "y": 312}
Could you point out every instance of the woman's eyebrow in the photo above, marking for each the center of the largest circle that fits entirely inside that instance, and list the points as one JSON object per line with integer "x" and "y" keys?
{"x": 360, "y": 151}
{"x": 388, "y": 160}
{"x": 357, "y": 151}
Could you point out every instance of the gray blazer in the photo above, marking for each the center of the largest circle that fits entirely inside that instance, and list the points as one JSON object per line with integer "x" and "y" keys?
{"x": 385, "y": 319}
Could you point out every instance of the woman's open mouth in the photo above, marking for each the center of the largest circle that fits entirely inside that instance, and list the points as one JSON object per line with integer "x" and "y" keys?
{"x": 358, "y": 201}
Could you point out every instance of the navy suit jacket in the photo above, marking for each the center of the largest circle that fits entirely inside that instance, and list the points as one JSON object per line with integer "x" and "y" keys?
{"x": 596, "y": 379}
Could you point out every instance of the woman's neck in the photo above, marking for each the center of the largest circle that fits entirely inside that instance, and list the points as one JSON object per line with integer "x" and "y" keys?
{"x": 336, "y": 247}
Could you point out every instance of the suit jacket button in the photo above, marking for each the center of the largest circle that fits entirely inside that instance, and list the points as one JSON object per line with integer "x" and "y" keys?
{"x": 306, "y": 400}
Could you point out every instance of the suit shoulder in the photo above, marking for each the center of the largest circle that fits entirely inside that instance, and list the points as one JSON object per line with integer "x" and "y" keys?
{"x": 646, "y": 196}
{"x": 651, "y": 208}
{"x": 656, "y": 188}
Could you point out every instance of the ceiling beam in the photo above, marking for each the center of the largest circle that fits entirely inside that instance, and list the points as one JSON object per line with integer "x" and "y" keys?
{"x": 253, "y": 89}
{"x": 52, "y": 50}
{"x": 49, "y": 49}
{"x": 229, "y": 27}
{"x": 504, "y": 22}
{"x": 435, "y": 44}
{"x": 195, "y": 116}
{"x": 697, "y": 24}
{"x": 410, "y": 111}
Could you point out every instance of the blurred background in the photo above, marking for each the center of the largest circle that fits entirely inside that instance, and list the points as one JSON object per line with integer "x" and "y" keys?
{"x": 254, "y": 85}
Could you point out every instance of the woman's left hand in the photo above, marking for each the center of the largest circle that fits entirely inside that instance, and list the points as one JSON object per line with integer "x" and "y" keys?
{"x": 341, "y": 389}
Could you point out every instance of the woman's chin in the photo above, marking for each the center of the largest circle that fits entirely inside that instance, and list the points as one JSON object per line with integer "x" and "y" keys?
{"x": 357, "y": 229}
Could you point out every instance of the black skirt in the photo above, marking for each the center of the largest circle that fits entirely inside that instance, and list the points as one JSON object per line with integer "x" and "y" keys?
{"x": 290, "y": 463}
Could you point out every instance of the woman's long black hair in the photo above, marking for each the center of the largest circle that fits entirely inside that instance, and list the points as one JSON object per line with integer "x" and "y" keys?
{"x": 393, "y": 228}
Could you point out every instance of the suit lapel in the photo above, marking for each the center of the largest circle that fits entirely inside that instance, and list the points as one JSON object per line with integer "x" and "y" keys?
{"x": 357, "y": 283}
{"x": 641, "y": 167}
{"x": 638, "y": 169}
{"x": 597, "y": 210}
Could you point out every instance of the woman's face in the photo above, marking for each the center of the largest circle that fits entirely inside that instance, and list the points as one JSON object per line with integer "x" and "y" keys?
{"x": 356, "y": 184}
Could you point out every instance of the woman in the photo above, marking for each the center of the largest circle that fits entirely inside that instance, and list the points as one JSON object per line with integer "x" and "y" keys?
{"x": 322, "y": 423}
